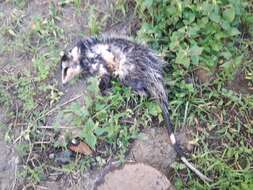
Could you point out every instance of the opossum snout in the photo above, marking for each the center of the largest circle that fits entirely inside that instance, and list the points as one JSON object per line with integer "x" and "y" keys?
{"x": 69, "y": 73}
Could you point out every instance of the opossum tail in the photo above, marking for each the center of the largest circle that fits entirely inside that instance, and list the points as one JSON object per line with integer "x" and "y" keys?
{"x": 179, "y": 151}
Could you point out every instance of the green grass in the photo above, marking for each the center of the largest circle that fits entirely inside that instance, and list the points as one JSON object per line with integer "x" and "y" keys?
{"x": 214, "y": 35}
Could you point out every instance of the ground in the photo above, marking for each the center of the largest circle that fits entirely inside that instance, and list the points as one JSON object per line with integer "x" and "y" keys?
{"x": 208, "y": 47}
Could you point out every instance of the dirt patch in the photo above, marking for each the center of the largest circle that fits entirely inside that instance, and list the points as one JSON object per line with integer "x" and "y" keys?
{"x": 16, "y": 26}
{"x": 240, "y": 84}
{"x": 134, "y": 176}
{"x": 8, "y": 166}
{"x": 73, "y": 23}
{"x": 71, "y": 92}
{"x": 127, "y": 25}
{"x": 8, "y": 159}
{"x": 154, "y": 149}
{"x": 203, "y": 76}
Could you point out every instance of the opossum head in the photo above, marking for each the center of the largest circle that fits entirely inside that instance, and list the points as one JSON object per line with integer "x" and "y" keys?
{"x": 79, "y": 59}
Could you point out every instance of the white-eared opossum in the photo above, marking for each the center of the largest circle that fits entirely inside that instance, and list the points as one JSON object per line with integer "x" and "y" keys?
{"x": 134, "y": 65}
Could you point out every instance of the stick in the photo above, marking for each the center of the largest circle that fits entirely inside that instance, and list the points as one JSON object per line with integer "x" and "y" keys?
{"x": 63, "y": 104}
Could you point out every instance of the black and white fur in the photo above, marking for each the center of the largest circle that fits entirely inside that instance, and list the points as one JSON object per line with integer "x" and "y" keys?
{"x": 134, "y": 65}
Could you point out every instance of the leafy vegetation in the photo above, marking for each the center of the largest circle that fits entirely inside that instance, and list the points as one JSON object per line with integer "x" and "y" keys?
{"x": 110, "y": 119}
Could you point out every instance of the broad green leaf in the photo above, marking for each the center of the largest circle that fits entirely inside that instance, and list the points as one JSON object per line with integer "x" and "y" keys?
{"x": 183, "y": 58}
{"x": 229, "y": 13}
{"x": 148, "y": 3}
{"x": 189, "y": 17}
{"x": 226, "y": 54}
{"x": 88, "y": 135}
{"x": 230, "y": 66}
{"x": 215, "y": 17}
{"x": 193, "y": 31}
{"x": 90, "y": 125}
{"x": 100, "y": 131}
{"x": 225, "y": 25}
{"x": 154, "y": 108}
{"x": 195, "y": 60}
{"x": 90, "y": 139}
{"x": 234, "y": 32}
{"x": 196, "y": 50}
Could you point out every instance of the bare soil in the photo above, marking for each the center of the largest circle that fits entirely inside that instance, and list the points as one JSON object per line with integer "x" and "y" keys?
{"x": 8, "y": 159}
{"x": 240, "y": 84}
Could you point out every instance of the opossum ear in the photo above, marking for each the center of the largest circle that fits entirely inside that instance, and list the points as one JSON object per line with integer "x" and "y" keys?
{"x": 64, "y": 56}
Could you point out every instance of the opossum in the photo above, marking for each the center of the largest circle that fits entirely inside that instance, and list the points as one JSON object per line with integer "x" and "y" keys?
{"x": 133, "y": 64}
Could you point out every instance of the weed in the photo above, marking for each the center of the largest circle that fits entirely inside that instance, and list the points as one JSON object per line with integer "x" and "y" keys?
{"x": 97, "y": 127}
{"x": 95, "y": 25}
{"x": 20, "y": 3}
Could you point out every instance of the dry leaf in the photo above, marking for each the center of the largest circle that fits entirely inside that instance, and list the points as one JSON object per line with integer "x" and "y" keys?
{"x": 81, "y": 148}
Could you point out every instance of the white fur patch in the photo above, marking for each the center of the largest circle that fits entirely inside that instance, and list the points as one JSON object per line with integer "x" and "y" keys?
{"x": 100, "y": 48}
{"x": 94, "y": 68}
{"x": 102, "y": 70}
{"x": 90, "y": 54}
{"x": 75, "y": 52}
{"x": 64, "y": 64}
{"x": 173, "y": 139}
{"x": 123, "y": 69}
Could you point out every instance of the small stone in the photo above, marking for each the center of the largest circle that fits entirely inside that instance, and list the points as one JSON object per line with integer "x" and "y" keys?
{"x": 203, "y": 75}
{"x": 134, "y": 176}
{"x": 51, "y": 156}
{"x": 63, "y": 157}
{"x": 74, "y": 141}
{"x": 154, "y": 149}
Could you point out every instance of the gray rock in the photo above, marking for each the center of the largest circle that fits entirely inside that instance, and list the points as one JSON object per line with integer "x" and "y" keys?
{"x": 154, "y": 149}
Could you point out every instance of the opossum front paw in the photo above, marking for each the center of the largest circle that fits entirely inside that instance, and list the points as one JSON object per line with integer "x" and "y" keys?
{"x": 105, "y": 83}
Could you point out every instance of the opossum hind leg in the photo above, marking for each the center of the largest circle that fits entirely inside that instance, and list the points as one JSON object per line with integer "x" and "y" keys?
{"x": 139, "y": 87}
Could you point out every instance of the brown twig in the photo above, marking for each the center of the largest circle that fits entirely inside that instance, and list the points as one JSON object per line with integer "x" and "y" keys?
{"x": 63, "y": 104}
{"x": 52, "y": 127}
